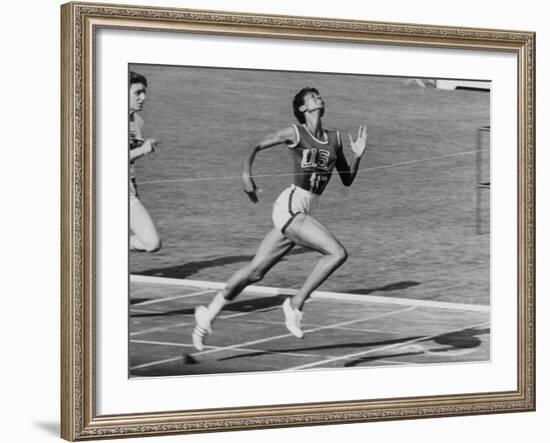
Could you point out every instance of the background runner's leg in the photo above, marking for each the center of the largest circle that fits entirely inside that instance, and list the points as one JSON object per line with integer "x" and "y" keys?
{"x": 145, "y": 236}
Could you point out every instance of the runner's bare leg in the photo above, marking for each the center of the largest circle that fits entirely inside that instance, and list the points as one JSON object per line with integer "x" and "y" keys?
{"x": 274, "y": 246}
{"x": 307, "y": 231}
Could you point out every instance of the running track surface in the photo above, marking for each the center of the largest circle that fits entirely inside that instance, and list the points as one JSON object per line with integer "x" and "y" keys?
{"x": 342, "y": 331}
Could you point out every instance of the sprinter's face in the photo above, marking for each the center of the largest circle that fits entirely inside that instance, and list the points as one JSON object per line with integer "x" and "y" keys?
{"x": 137, "y": 96}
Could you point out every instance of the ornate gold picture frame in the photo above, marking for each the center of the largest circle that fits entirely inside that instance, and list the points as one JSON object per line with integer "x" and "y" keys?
{"x": 82, "y": 418}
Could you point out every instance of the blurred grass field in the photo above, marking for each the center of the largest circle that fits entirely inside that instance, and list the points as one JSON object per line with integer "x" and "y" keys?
{"x": 408, "y": 221}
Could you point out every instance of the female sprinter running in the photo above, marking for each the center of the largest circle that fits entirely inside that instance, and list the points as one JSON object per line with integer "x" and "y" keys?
{"x": 145, "y": 236}
{"x": 315, "y": 152}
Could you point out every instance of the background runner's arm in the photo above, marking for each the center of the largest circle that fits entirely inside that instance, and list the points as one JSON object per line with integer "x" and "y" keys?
{"x": 347, "y": 171}
{"x": 147, "y": 147}
{"x": 287, "y": 135}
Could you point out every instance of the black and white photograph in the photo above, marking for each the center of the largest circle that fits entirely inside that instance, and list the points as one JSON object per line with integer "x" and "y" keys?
{"x": 261, "y": 221}
{"x": 275, "y": 221}
{"x": 290, "y": 220}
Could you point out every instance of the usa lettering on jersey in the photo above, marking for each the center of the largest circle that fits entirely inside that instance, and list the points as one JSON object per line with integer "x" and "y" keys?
{"x": 315, "y": 158}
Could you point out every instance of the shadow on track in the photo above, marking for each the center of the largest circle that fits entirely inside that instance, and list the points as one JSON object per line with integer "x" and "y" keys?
{"x": 324, "y": 347}
{"x": 465, "y": 339}
{"x": 274, "y": 301}
{"x": 455, "y": 341}
{"x": 386, "y": 288}
{"x": 187, "y": 269}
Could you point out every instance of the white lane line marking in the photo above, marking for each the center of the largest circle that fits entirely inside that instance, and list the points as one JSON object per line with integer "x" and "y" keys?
{"x": 145, "y": 311}
{"x": 395, "y": 362}
{"x": 277, "y": 337}
{"x": 190, "y": 345}
{"x": 379, "y": 349}
{"x": 316, "y": 329}
{"x": 305, "y": 325}
{"x": 175, "y": 297}
{"x": 261, "y": 290}
{"x": 177, "y": 325}
{"x": 155, "y": 363}
{"x": 373, "y": 168}
{"x": 159, "y": 329}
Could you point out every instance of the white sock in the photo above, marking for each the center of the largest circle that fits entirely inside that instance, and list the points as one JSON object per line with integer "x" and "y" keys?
{"x": 216, "y": 305}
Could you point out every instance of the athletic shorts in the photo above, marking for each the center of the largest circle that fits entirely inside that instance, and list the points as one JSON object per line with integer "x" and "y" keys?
{"x": 292, "y": 201}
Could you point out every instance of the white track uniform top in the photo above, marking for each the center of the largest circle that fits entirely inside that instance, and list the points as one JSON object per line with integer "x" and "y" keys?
{"x": 135, "y": 141}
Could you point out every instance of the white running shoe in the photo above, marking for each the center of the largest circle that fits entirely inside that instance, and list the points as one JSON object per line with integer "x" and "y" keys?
{"x": 202, "y": 327}
{"x": 293, "y": 319}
